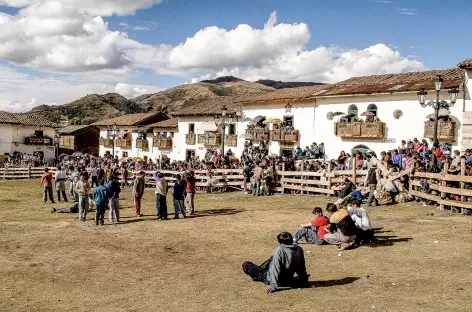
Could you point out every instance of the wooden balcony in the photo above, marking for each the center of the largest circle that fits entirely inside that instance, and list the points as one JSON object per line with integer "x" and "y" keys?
{"x": 250, "y": 134}
{"x": 162, "y": 142}
{"x": 290, "y": 136}
{"x": 231, "y": 140}
{"x": 262, "y": 135}
{"x": 446, "y": 130}
{"x": 360, "y": 130}
{"x": 210, "y": 139}
{"x": 32, "y": 140}
{"x": 142, "y": 144}
{"x": 124, "y": 143}
{"x": 190, "y": 139}
{"x": 276, "y": 135}
{"x": 106, "y": 142}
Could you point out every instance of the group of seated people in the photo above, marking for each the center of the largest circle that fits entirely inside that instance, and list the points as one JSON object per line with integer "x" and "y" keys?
{"x": 347, "y": 224}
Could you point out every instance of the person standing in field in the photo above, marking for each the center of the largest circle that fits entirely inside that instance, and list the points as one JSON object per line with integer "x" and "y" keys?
{"x": 94, "y": 174}
{"x": 258, "y": 172}
{"x": 100, "y": 195}
{"x": 46, "y": 182}
{"x": 138, "y": 192}
{"x": 74, "y": 178}
{"x": 83, "y": 189}
{"x": 190, "y": 190}
{"x": 179, "y": 190}
{"x": 60, "y": 182}
{"x": 114, "y": 190}
{"x": 162, "y": 187}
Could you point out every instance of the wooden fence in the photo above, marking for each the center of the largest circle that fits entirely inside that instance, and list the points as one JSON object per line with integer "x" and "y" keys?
{"x": 23, "y": 173}
{"x": 445, "y": 185}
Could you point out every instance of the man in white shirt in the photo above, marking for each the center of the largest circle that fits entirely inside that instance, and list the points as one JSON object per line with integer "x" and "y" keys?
{"x": 94, "y": 174}
{"x": 161, "y": 197}
{"x": 60, "y": 181}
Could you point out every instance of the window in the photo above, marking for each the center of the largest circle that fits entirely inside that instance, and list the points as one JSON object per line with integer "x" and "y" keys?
{"x": 288, "y": 120}
{"x": 142, "y": 136}
{"x": 231, "y": 129}
{"x": 124, "y": 154}
{"x": 172, "y": 134}
{"x": 352, "y": 111}
{"x": 191, "y": 128}
{"x": 372, "y": 108}
{"x": 38, "y": 133}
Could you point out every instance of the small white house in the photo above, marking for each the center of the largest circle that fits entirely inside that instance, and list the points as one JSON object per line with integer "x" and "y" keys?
{"x": 27, "y": 133}
{"x": 198, "y": 131}
{"x": 128, "y": 135}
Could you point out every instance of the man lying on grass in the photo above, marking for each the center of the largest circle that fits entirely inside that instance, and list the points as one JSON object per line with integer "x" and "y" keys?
{"x": 278, "y": 271}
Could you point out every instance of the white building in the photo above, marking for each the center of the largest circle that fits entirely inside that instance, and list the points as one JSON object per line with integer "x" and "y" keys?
{"x": 316, "y": 111}
{"x": 27, "y": 133}
{"x": 164, "y": 143}
{"x": 198, "y": 131}
{"x": 133, "y": 136}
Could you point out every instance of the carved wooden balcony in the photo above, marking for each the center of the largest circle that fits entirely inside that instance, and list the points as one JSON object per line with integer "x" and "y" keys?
{"x": 124, "y": 143}
{"x": 276, "y": 135}
{"x": 106, "y": 142}
{"x": 190, "y": 139}
{"x": 142, "y": 144}
{"x": 163, "y": 143}
{"x": 32, "y": 140}
{"x": 262, "y": 135}
{"x": 360, "y": 130}
{"x": 231, "y": 140}
{"x": 446, "y": 130}
{"x": 210, "y": 139}
{"x": 250, "y": 134}
{"x": 290, "y": 136}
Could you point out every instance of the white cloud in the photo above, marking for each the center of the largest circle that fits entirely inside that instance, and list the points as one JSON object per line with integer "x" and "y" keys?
{"x": 131, "y": 91}
{"x": 411, "y": 12}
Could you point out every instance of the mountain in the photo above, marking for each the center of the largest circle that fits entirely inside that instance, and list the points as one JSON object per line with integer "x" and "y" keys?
{"x": 88, "y": 109}
{"x": 94, "y": 107}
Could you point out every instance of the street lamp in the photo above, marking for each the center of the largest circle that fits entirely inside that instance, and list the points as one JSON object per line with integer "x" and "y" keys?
{"x": 437, "y": 104}
{"x": 56, "y": 145}
{"x": 222, "y": 120}
{"x": 114, "y": 131}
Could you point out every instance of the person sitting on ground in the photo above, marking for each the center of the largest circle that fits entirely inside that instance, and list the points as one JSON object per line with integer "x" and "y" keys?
{"x": 314, "y": 231}
{"x": 344, "y": 231}
{"x": 73, "y": 209}
{"x": 278, "y": 271}
{"x": 347, "y": 188}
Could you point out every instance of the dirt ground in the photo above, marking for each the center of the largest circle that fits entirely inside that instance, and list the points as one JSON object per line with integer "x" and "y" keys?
{"x": 51, "y": 262}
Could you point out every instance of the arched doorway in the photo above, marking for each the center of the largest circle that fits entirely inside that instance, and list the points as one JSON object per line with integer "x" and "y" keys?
{"x": 363, "y": 149}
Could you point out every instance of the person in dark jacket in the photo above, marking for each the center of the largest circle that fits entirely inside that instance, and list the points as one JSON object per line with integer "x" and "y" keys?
{"x": 342, "y": 229}
{"x": 179, "y": 190}
{"x": 100, "y": 195}
{"x": 278, "y": 271}
{"x": 372, "y": 180}
{"x": 114, "y": 189}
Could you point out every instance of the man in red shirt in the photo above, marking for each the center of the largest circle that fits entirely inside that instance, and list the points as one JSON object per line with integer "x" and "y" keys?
{"x": 314, "y": 231}
{"x": 190, "y": 193}
{"x": 46, "y": 181}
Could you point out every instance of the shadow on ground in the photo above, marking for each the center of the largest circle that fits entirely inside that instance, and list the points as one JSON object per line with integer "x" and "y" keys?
{"x": 388, "y": 240}
{"x": 215, "y": 212}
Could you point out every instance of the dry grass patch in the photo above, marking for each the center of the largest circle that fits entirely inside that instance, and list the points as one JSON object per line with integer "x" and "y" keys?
{"x": 51, "y": 262}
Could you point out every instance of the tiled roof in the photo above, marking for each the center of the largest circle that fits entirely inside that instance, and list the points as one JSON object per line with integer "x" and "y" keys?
{"x": 467, "y": 64}
{"x": 287, "y": 94}
{"x": 209, "y": 107}
{"x": 72, "y": 129}
{"x": 26, "y": 119}
{"x": 129, "y": 120}
{"x": 169, "y": 123}
{"x": 392, "y": 83}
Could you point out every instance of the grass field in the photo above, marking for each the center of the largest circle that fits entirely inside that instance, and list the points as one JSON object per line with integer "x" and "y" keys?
{"x": 51, "y": 262}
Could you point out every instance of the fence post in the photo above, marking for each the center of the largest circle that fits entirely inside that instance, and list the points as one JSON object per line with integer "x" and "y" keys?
{"x": 328, "y": 177}
{"x": 29, "y": 172}
{"x": 302, "y": 169}
{"x": 282, "y": 179}
{"x": 462, "y": 183}
{"x": 354, "y": 173}
{"x": 443, "y": 182}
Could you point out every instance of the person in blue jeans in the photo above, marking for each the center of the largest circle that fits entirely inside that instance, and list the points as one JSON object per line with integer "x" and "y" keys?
{"x": 179, "y": 190}
{"x": 100, "y": 195}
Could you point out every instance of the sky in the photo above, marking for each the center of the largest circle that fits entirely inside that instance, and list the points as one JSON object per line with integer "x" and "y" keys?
{"x": 55, "y": 51}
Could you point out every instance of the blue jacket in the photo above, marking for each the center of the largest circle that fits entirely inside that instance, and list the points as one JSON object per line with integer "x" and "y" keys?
{"x": 100, "y": 195}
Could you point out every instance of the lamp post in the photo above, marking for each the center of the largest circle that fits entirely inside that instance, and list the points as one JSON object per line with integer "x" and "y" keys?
{"x": 222, "y": 120}
{"x": 114, "y": 131}
{"x": 437, "y": 104}
{"x": 56, "y": 146}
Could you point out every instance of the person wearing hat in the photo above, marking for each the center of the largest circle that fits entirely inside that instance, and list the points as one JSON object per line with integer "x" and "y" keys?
{"x": 114, "y": 189}
{"x": 372, "y": 179}
{"x": 138, "y": 192}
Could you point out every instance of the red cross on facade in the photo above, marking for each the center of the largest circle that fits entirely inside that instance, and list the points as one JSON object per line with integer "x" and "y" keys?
{"x": 288, "y": 108}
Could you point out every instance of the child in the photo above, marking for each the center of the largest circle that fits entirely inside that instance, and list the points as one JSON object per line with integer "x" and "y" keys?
{"x": 314, "y": 231}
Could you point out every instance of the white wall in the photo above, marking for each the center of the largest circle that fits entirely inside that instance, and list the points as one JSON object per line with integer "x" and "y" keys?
{"x": 12, "y": 138}
{"x": 303, "y": 120}
{"x": 409, "y": 126}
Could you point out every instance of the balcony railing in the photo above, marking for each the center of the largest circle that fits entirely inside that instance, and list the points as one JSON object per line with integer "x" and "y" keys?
{"x": 124, "y": 143}
{"x": 32, "y": 140}
{"x": 446, "y": 130}
{"x": 360, "y": 130}
{"x": 190, "y": 139}
{"x": 106, "y": 142}
{"x": 163, "y": 143}
{"x": 210, "y": 139}
{"x": 231, "y": 140}
{"x": 142, "y": 144}
{"x": 257, "y": 134}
